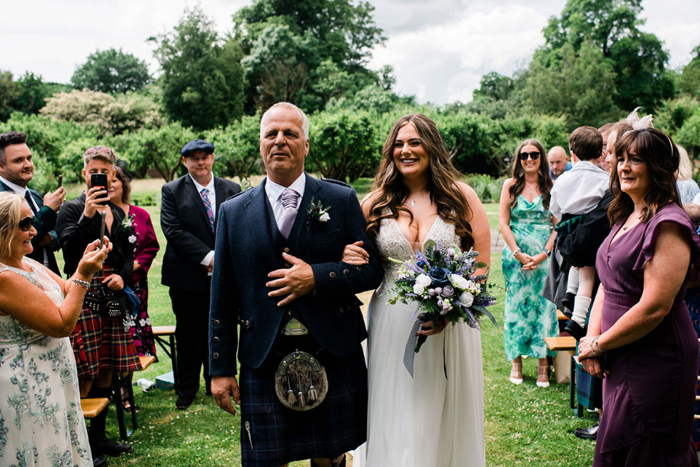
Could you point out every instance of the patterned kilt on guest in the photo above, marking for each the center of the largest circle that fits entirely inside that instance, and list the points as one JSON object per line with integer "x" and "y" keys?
{"x": 102, "y": 343}
{"x": 273, "y": 435}
{"x": 140, "y": 329}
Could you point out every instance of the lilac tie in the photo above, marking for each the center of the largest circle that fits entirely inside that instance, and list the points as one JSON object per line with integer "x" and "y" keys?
{"x": 289, "y": 199}
{"x": 207, "y": 204}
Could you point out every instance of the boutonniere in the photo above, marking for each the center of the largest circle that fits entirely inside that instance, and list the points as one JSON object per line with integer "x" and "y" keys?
{"x": 129, "y": 229}
{"x": 316, "y": 214}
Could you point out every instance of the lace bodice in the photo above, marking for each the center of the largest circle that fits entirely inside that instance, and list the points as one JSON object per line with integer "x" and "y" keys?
{"x": 392, "y": 243}
{"x": 11, "y": 330}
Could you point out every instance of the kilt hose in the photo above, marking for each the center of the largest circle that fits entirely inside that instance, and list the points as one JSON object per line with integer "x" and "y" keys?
{"x": 102, "y": 343}
{"x": 273, "y": 435}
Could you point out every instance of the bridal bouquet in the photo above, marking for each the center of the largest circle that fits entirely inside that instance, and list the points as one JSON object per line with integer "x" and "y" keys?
{"x": 443, "y": 283}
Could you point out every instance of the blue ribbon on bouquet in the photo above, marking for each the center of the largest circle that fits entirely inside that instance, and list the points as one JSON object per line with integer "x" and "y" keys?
{"x": 415, "y": 342}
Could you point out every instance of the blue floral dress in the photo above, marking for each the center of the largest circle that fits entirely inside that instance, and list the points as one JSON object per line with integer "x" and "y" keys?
{"x": 41, "y": 422}
{"x": 528, "y": 316}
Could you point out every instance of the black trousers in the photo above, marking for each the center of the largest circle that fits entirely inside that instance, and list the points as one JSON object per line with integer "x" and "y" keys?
{"x": 191, "y": 310}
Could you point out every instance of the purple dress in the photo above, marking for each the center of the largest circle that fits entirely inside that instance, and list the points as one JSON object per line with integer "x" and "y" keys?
{"x": 648, "y": 398}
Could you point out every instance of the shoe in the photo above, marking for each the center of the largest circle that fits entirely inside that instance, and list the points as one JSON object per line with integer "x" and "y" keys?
{"x": 543, "y": 376}
{"x": 342, "y": 463}
{"x": 516, "y": 373}
{"x": 568, "y": 303}
{"x": 575, "y": 330}
{"x": 587, "y": 433}
{"x": 106, "y": 446}
{"x": 183, "y": 402}
{"x": 99, "y": 462}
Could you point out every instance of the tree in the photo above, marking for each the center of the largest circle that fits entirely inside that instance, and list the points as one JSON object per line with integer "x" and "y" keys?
{"x": 159, "y": 148}
{"x": 8, "y": 94}
{"x": 689, "y": 79}
{"x": 637, "y": 59}
{"x": 202, "y": 79}
{"x": 32, "y": 94}
{"x": 237, "y": 149}
{"x": 111, "y": 71}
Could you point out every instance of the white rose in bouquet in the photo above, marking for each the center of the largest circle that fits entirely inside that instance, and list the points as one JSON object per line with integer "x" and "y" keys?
{"x": 423, "y": 280}
{"x": 467, "y": 299}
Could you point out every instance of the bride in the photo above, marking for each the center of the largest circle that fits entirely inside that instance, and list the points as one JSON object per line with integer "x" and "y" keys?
{"x": 427, "y": 420}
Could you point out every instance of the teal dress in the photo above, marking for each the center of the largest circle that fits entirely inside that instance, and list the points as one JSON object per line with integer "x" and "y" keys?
{"x": 528, "y": 316}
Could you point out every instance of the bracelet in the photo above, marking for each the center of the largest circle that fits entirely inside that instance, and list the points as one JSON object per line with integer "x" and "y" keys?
{"x": 547, "y": 252}
{"x": 516, "y": 251}
{"x": 83, "y": 284}
{"x": 595, "y": 344}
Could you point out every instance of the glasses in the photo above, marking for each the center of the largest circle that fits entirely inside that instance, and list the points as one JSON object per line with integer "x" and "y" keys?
{"x": 26, "y": 223}
{"x": 534, "y": 155}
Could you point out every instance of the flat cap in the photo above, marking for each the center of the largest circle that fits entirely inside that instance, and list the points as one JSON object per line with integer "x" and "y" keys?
{"x": 197, "y": 145}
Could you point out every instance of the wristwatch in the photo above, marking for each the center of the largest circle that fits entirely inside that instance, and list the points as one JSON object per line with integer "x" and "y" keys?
{"x": 547, "y": 252}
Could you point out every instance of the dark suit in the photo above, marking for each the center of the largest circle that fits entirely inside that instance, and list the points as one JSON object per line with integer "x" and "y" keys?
{"x": 188, "y": 231}
{"x": 249, "y": 246}
{"x": 44, "y": 223}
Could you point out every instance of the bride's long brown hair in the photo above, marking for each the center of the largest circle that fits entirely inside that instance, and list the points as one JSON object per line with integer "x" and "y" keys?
{"x": 391, "y": 193}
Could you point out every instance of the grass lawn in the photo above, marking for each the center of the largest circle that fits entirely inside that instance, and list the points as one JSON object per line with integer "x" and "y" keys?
{"x": 525, "y": 425}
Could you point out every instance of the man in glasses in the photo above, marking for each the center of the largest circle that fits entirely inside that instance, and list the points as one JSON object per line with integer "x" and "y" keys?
{"x": 16, "y": 171}
{"x": 558, "y": 162}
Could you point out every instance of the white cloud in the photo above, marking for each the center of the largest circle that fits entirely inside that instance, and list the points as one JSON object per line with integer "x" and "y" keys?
{"x": 448, "y": 61}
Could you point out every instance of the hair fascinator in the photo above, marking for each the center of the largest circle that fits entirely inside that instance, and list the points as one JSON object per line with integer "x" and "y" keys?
{"x": 637, "y": 123}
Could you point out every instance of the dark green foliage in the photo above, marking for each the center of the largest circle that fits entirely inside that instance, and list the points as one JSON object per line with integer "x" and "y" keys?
{"x": 202, "y": 79}
{"x": 237, "y": 149}
{"x": 671, "y": 114}
{"x": 689, "y": 80}
{"x": 32, "y": 94}
{"x": 8, "y": 93}
{"x": 111, "y": 71}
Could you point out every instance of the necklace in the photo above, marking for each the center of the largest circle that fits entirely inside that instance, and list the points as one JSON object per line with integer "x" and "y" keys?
{"x": 530, "y": 187}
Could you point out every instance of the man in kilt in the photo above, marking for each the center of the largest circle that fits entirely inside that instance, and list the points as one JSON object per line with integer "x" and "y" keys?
{"x": 278, "y": 274}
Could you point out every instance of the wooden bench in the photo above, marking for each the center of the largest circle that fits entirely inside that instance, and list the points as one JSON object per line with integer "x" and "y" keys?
{"x": 561, "y": 316}
{"x": 169, "y": 346}
{"x": 93, "y": 407}
{"x": 567, "y": 344}
{"x": 117, "y": 395}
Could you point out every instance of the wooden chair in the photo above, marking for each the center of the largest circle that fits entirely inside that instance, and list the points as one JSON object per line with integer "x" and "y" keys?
{"x": 93, "y": 407}
{"x": 169, "y": 346}
{"x": 567, "y": 344}
{"x": 117, "y": 396}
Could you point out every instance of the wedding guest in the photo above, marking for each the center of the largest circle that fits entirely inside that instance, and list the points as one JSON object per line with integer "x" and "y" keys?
{"x": 640, "y": 338}
{"x": 526, "y": 225}
{"x": 605, "y": 132}
{"x": 138, "y": 223}
{"x": 100, "y": 342}
{"x": 558, "y": 162}
{"x": 687, "y": 187}
{"x": 40, "y": 400}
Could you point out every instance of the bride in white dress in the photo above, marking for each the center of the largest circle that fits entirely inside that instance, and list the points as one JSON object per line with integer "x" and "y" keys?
{"x": 427, "y": 420}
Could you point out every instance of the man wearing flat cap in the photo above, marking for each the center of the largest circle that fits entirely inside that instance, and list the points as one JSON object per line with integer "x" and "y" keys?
{"x": 188, "y": 216}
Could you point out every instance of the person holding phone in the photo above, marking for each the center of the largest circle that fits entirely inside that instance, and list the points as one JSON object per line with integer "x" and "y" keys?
{"x": 100, "y": 342}
{"x": 16, "y": 171}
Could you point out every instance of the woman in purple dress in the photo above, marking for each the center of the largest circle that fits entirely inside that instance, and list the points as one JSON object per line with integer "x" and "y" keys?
{"x": 640, "y": 337}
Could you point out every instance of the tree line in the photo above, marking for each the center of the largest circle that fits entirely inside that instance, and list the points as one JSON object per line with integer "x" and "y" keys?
{"x": 595, "y": 66}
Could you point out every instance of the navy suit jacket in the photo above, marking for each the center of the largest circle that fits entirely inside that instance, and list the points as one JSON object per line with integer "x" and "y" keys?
{"x": 249, "y": 246}
{"x": 44, "y": 223}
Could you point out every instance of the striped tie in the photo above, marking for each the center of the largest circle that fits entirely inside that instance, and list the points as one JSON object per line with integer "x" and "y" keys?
{"x": 289, "y": 199}
{"x": 207, "y": 204}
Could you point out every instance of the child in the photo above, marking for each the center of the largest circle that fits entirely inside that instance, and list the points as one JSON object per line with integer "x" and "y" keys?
{"x": 574, "y": 195}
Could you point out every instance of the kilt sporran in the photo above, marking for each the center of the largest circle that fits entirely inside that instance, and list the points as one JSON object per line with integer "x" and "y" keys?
{"x": 301, "y": 383}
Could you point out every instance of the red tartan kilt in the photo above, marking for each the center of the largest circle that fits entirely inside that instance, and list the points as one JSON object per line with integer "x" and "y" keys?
{"x": 102, "y": 343}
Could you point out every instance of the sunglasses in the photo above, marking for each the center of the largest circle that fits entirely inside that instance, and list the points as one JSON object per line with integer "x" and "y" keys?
{"x": 534, "y": 155}
{"x": 99, "y": 150}
{"x": 26, "y": 223}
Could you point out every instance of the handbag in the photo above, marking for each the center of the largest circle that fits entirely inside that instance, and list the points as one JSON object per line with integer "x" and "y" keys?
{"x": 106, "y": 302}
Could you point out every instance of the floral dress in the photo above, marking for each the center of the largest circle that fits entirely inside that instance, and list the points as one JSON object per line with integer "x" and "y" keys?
{"x": 41, "y": 422}
{"x": 528, "y": 316}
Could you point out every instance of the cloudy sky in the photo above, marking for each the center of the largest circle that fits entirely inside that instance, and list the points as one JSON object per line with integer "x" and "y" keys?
{"x": 439, "y": 49}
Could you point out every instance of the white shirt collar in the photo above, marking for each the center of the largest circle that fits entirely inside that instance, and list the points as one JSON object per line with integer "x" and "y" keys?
{"x": 209, "y": 187}
{"x": 274, "y": 190}
{"x": 16, "y": 188}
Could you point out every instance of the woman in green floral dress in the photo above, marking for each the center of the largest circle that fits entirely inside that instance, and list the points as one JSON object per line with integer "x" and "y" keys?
{"x": 526, "y": 225}
{"x": 41, "y": 422}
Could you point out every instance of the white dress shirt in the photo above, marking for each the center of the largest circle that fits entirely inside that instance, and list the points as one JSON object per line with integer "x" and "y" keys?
{"x": 211, "y": 193}
{"x": 274, "y": 191}
{"x": 578, "y": 190}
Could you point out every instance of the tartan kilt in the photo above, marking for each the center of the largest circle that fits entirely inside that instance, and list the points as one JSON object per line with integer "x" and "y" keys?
{"x": 589, "y": 389}
{"x": 281, "y": 435}
{"x": 102, "y": 343}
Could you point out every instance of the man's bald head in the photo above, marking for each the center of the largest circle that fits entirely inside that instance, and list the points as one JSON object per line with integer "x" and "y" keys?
{"x": 557, "y": 159}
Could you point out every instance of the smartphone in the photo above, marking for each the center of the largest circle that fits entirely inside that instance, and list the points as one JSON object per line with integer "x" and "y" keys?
{"x": 99, "y": 180}
{"x": 60, "y": 180}
{"x": 102, "y": 228}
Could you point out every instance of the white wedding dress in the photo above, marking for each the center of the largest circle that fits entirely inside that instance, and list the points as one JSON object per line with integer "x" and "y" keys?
{"x": 427, "y": 420}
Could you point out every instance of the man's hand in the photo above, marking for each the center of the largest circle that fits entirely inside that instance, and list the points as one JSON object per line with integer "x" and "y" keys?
{"x": 225, "y": 388}
{"x": 210, "y": 268}
{"x": 93, "y": 197}
{"x": 114, "y": 282}
{"x": 46, "y": 240}
{"x": 55, "y": 200}
{"x": 295, "y": 282}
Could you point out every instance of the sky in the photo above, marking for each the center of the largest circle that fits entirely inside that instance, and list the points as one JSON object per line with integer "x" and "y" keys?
{"x": 439, "y": 49}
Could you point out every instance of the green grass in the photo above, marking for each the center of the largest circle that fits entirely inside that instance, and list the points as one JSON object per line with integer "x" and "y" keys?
{"x": 525, "y": 425}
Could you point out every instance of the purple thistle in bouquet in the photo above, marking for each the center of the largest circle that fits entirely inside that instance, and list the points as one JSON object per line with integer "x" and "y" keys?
{"x": 443, "y": 281}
